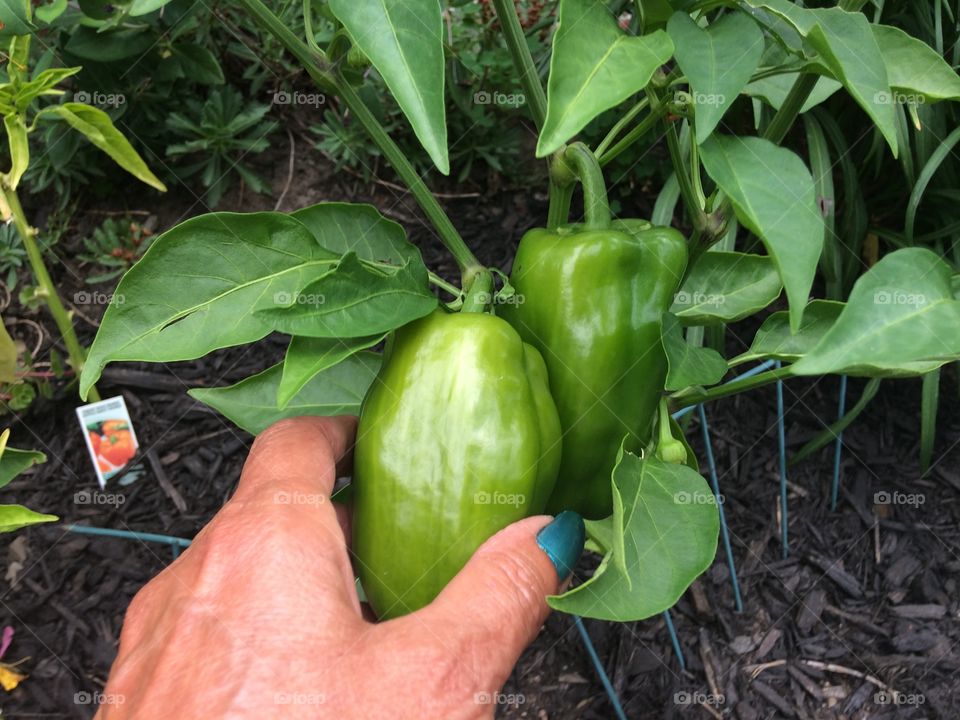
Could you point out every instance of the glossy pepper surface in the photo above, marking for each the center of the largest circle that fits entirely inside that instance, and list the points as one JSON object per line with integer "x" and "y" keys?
{"x": 458, "y": 438}
{"x": 591, "y": 300}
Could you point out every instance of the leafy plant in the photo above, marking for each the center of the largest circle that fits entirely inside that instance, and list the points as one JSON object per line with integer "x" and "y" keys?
{"x": 116, "y": 244}
{"x": 12, "y": 463}
{"x": 223, "y": 130}
{"x": 725, "y": 83}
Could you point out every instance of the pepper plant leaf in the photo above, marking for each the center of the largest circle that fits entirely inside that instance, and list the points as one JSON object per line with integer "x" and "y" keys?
{"x": 775, "y": 341}
{"x": 19, "y": 148}
{"x": 901, "y": 319}
{"x": 14, "y": 517}
{"x": 718, "y": 61}
{"x": 848, "y": 50}
{"x": 252, "y": 403}
{"x": 97, "y": 127}
{"x": 914, "y": 67}
{"x": 726, "y": 287}
{"x": 197, "y": 288}
{"x": 8, "y": 356}
{"x": 307, "y": 356}
{"x": 594, "y": 66}
{"x": 774, "y": 90}
{"x": 404, "y": 41}
{"x": 773, "y": 195}
{"x": 667, "y": 521}
{"x": 15, "y": 18}
{"x": 689, "y": 365}
{"x": 13, "y": 462}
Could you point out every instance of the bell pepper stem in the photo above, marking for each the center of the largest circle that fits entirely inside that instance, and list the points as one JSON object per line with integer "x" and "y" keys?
{"x": 584, "y": 163}
{"x": 480, "y": 292}
{"x": 48, "y": 289}
{"x": 558, "y": 212}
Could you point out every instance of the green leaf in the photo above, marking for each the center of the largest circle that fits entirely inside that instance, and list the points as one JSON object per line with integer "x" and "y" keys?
{"x": 404, "y": 41}
{"x": 689, "y": 365}
{"x": 50, "y": 12}
{"x": 594, "y": 67}
{"x": 665, "y": 523}
{"x": 929, "y": 404}
{"x": 775, "y": 341}
{"x": 252, "y": 403}
{"x": 725, "y": 287}
{"x": 901, "y": 319}
{"x": 13, "y": 462}
{"x": 88, "y": 44}
{"x": 8, "y": 356}
{"x": 19, "y": 148}
{"x": 145, "y": 7}
{"x": 359, "y": 228}
{"x": 14, "y": 517}
{"x": 95, "y": 125}
{"x": 849, "y": 51}
{"x": 772, "y": 193}
{"x": 914, "y": 67}
{"x": 199, "y": 64}
{"x": 196, "y": 288}
{"x": 307, "y": 356}
{"x": 355, "y": 299}
{"x": 831, "y": 433}
{"x": 773, "y": 90}
{"x": 14, "y": 18}
{"x": 718, "y": 62}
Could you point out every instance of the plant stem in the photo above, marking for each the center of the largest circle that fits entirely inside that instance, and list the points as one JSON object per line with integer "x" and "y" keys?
{"x": 596, "y": 209}
{"x": 480, "y": 293}
{"x": 558, "y": 212}
{"x": 522, "y": 59}
{"x": 48, "y": 290}
{"x": 620, "y": 125}
{"x": 641, "y": 129}
{"x": 790, "y": 110}
{"x": 694, "y": 209}
{"x": 443, "y": 284}
{"x": 733, "y": 388}
{"x": 316, "y": 66}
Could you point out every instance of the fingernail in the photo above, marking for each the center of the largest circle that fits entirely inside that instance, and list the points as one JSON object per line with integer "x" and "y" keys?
{"x": 562, "y": 540}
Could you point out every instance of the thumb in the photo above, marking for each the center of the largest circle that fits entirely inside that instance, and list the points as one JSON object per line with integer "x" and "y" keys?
{"x": 496, "y": 605}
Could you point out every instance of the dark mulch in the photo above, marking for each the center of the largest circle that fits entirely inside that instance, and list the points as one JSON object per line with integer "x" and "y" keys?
{"x": 866, "y": 601}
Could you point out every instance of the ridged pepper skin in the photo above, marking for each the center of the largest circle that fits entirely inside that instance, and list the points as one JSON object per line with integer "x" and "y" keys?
{"x": 458, "y": 438}
{"x": 591, "y": 301}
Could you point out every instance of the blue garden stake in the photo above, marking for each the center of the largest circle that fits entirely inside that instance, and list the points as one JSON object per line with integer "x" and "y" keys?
{"x": 607, "y": 685}
{"x": 748, "y": 374}
{"x": 841, "y": 411}
{"x": 724, "y": 533}
{"x": 175, "y": 543}
{"x": 674, "y": 639}
{"x": 782, "y": 442}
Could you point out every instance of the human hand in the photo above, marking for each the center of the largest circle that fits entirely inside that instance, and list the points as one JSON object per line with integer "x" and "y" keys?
{"x": 259, "y": 618}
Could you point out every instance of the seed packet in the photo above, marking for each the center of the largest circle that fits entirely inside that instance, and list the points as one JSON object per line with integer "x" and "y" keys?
{"x": 108, "y": 431}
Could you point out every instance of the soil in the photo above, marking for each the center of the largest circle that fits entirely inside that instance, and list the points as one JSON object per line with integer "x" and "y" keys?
{"x": 865, "y": 603}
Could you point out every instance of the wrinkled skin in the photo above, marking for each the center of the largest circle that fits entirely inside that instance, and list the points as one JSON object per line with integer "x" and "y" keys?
{"x": 259, "y": 618}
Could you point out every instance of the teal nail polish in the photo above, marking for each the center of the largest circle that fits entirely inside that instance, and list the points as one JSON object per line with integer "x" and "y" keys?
{"x": 562, "y": 540}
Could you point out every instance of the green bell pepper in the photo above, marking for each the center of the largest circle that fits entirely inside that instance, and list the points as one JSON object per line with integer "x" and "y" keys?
{"x": 590, "y": 298}
{"x": 458, "y": 438}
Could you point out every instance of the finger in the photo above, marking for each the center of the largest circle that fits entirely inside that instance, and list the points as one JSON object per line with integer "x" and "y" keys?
{"x": 496, "y": 605}
{"x": 299, "y": 454}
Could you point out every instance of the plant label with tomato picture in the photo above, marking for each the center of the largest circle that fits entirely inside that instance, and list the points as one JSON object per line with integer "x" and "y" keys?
{"x": 109, "y": 435}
